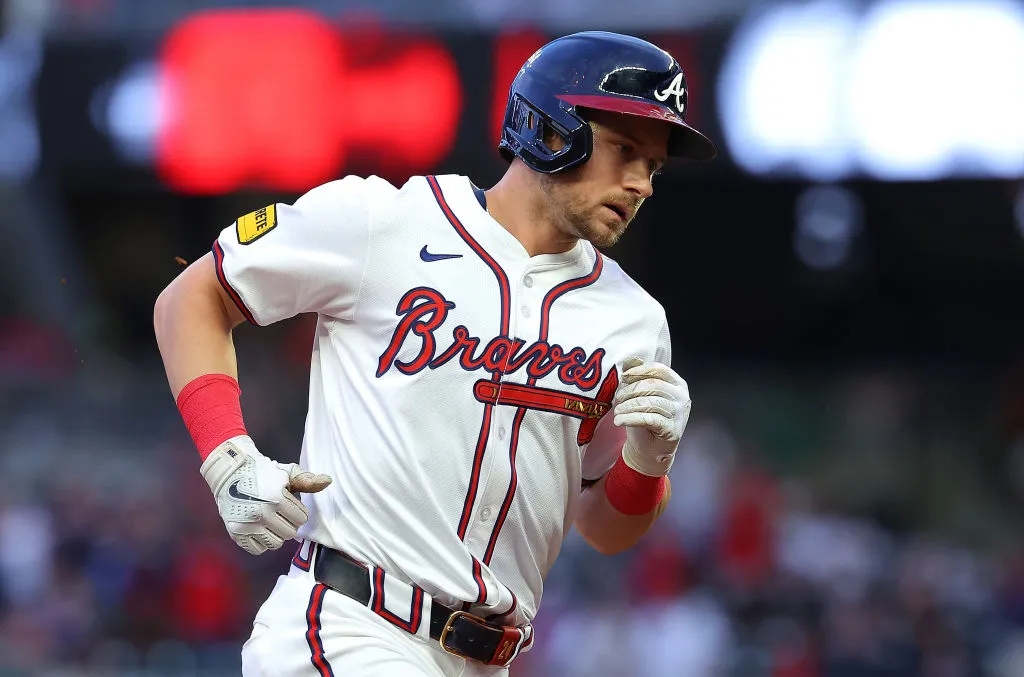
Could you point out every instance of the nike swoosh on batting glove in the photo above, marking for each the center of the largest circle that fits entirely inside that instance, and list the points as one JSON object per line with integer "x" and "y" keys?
{"x": 257, "y": 497}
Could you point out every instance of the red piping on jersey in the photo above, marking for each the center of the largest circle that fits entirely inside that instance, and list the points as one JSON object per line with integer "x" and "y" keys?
{"x": 218, "y": 257}
{"x": 568, "y": 285}
{"x": 415, "y": 613}
{"x": 503, "y": 287}
{"x": 485, "y": 426}
{"x": 545, "y": 315}
{"x": 529, "y": 642}
{"x": 515, "y": 605}
{"x": 297, "y": 557}
{"x": 316, "y": 645}
{"x": 478, "y": 575}
{"x": 513, "y": 448}
{"x": 502, "y": 278}
{"x": 474, "y": 478}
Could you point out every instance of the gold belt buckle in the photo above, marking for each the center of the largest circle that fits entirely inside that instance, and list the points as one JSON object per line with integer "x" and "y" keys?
{"x": 448, "y": 627}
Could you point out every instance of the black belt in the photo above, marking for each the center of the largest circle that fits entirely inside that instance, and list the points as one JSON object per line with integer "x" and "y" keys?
{"x": 458, "y": 632}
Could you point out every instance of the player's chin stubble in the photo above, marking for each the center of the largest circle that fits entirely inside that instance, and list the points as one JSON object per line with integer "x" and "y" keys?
{"x": 580, "y": 219}
{"x": 594, "y": 226}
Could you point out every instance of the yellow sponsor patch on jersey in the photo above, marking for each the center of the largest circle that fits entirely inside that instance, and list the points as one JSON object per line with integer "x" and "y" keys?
{"x": 256, "y": 224}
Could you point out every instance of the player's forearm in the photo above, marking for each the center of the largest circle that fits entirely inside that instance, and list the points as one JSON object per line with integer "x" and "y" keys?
{"x": 193, "y": 327}
{"x": 606, "y": 529}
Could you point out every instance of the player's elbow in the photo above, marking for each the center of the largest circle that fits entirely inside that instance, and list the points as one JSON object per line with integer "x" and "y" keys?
{"x": 194, "y": 296}
{"x": 168, "y": 301}
{"x": 606, "y": 536}
{"x": 607, "y": 530}
{"x": 610, "y": 543}
{"x": 161, "y": 310}
{"x": 607, "y": 547}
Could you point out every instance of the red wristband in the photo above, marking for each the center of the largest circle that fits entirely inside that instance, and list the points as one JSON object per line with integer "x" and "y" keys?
{"x": 210, "y": 407}
{"x": 631, "y": 492}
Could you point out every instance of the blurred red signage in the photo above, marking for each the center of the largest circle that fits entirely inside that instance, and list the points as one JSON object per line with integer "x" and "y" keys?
{"x": 275, "y": 99}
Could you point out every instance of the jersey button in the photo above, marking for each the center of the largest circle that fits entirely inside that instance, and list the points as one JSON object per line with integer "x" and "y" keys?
{"x": 501, "y": 433}
{"x": 485, "y": 514}
{"x": 526, "y": 311}
{"x": 528, "y": 281}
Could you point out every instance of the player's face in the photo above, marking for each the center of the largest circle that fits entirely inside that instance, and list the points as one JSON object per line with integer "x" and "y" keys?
{"x": 597, "y": 200}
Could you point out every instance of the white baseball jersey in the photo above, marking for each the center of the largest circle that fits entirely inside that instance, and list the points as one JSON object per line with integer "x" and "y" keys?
{"x": 458, "y": 385}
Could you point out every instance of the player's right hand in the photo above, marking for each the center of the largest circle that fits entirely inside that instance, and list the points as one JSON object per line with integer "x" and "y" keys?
{"x": 257, "y": 497}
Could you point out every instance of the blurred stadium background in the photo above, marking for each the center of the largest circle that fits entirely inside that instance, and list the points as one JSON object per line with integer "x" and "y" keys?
{"x": 844, "y": 284}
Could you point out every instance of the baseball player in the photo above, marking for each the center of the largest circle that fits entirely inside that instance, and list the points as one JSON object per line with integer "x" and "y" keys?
{"x": 482, "y": 380}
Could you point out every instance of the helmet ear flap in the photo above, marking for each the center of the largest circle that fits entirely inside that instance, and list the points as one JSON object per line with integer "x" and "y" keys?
{"x": 543, "y": 143}
{"x": 552, "y": 139}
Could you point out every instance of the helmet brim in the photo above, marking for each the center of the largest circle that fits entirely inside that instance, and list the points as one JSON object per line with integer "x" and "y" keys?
{"x": 685, "y": 141}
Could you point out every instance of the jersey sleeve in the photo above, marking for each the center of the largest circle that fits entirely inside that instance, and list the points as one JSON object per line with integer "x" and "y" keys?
{"x": 606, "y": 446}
{"x": 283, "y": 260}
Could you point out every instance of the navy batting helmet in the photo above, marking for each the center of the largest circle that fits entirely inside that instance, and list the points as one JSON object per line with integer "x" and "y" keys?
{"x": 594, "y": 69}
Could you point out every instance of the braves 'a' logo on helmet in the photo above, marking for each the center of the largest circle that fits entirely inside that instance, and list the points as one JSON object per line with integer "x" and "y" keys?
{"x": 677, "y": 87}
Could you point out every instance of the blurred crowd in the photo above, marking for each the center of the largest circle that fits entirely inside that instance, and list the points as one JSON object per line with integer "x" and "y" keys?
{"x": 752, "y": 576}
{"x": 883, "y": 554}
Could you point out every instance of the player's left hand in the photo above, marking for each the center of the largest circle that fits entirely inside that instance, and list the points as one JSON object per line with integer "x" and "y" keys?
{"x": 653, "y": 404}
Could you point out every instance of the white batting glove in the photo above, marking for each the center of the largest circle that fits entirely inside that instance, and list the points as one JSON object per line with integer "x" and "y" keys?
{"x": 256, "y": 497}
{"x": 653, "y": 404}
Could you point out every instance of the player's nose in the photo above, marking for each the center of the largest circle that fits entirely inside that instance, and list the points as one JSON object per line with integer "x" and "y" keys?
{"x": 638, "y": 182}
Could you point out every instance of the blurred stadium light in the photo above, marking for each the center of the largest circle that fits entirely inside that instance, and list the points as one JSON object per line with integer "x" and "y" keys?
{"x": 129, "y": 111}
{"x": 907, "y": 90}
{"x": 828, "y": 220}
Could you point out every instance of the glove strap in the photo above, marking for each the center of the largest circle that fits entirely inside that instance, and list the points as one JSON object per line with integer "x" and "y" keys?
{"x": 224, "y": 461}
{"x": 211, "y": 410}
{"x": 646, "y": 463}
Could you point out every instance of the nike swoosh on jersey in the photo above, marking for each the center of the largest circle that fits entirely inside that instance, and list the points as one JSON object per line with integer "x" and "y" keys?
{"x": 233, "y": 492}
{"x": 427, "y": 256}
